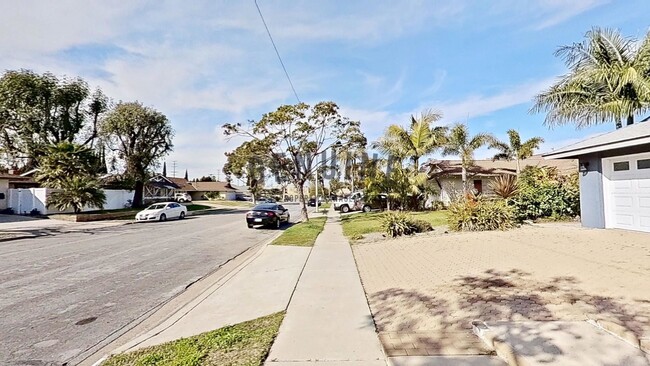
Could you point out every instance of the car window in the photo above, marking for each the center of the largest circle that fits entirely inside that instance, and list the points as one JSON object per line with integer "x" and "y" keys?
{"x": 266, "y": 206}
{"x": 281, "y": 207}
{"x": 156, "y": 207}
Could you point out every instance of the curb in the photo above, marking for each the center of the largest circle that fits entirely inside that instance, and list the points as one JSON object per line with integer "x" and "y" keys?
{"x": 620, "y": 332}
{"x": 240, "y": 261}
{"x": 498, "y": 345}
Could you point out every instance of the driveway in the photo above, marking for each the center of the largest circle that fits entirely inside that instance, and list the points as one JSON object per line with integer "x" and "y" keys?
{"x": 425, "y": 291}
{"x": 63, "y": 296}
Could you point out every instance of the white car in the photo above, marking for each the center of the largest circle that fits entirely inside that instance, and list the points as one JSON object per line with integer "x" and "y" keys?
{"x": 182, "y": 197}
{"x": 162, "y": 211}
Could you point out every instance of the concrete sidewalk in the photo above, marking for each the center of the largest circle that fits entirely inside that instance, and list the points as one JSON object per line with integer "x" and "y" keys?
{"x": 328, "y": 320}
{"x": 260, "y": 286}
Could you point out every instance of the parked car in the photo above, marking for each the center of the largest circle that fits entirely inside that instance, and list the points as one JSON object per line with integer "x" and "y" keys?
{"x": 312, "y": 202}
{"x": 182, "y": 197}
{"x": 162, "y": 211}
{"x": 357, "y": 202}
{"x": 267, "y": 214}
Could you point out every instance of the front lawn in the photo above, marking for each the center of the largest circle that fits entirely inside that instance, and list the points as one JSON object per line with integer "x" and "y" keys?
{"x": 245, "y": 343}
{"x": 193, "y": 207}
{"x": 303, "y": 234}
{"x": 234, "y": 203}
{"x": 358, "y": 224}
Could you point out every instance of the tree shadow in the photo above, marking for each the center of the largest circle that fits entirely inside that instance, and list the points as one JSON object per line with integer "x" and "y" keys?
{"x": 440, "y": 318}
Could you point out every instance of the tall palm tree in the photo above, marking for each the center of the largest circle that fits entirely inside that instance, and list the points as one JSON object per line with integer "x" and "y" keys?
{"x": 461, "y": 144}
{"x": 608, "y": 80}
{"x": 514, "y": 149}
{"x": 419, "y": 139}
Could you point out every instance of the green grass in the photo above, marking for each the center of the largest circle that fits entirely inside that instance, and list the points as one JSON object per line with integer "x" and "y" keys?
{"x": 303, "y": 234}
{"x": 234, "y": 203}
{"x": 357, "y": 225}
{"x": 245, "y": 343}
{"x": 193, "y": 207}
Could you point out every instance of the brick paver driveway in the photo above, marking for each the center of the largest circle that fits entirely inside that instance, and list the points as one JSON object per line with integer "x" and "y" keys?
{"x": 425, "y": 291}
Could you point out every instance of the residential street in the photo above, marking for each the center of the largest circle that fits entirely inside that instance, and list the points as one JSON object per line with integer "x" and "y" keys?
{"x": 64, "y": 294}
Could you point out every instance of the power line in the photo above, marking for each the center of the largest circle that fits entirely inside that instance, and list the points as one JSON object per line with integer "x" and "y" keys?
{"x": 276, "y": 51}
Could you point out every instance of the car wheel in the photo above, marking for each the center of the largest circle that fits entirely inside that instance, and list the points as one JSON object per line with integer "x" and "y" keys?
{"x": 181, "y": 216}
{"x": 163, "y": 217}
{"x": 278, "y": 222}
{"x": 345, "y": 209}
{"x": 367, "y": 208}
{"x": 181, "y": 200}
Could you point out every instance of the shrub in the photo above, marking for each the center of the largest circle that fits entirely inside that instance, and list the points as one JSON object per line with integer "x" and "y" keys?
{"x": 478, "y": 214}
{"x": 399, "y": 223}
{"x": 545, "y": 193}
{"x": 505, "y": 186}
{"x": 213, "y": 196}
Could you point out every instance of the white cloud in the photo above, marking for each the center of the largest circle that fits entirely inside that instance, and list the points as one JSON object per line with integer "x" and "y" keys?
{"x": 558, "y": 11}
{"x": 480, "y": 105}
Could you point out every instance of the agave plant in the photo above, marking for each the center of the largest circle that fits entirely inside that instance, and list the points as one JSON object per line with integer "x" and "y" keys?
{"x": 505, "y": 186}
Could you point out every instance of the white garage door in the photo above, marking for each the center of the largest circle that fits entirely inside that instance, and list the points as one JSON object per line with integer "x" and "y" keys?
{"x": 626, "y": 184}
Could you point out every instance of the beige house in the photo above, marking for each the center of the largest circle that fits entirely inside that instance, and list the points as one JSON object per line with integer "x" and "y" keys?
{"x": 164, "y": 188}
{"x": 448, "y": 173}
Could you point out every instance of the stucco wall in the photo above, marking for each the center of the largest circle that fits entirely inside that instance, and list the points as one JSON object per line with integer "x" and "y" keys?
{"x": 592, "y": 210}
{"x": 4, "y": 189}
{"x": 452, "y": 187}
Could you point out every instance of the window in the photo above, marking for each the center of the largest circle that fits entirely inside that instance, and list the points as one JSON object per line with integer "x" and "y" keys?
{"x": 478, "y": 186}
{"x": 621, "y": 166}
{"x": 643, "y": 164}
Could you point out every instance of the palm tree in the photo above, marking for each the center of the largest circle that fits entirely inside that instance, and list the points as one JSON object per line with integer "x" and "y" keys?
{"x": 420, "y": 139}
{"x": 514, "y": 149}
{"x": 461, "y": 144}
{"x": 64, "y": 160}
{"x": 609, "y": 80}
{"x": 76, "y": 193}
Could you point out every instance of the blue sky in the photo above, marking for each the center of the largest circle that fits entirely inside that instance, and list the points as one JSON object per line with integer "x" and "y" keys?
{"x": 205, "y": 63}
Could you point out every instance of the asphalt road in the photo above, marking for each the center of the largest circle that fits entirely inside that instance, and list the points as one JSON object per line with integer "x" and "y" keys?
{"x": 62, "y": 296}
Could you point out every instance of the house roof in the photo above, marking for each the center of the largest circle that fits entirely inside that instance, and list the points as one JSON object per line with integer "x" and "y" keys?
{"x": 634, "y": 135}
{"x": 213, "y": 187}
{"x": 489, "y": 168}
{"x": 182, "y": 183}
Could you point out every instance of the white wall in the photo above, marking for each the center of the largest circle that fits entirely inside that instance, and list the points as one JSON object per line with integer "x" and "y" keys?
{"x": 23, "y": 201}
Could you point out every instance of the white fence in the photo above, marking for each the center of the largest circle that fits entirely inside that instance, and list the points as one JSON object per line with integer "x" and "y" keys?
{"x": 23, "y": 201}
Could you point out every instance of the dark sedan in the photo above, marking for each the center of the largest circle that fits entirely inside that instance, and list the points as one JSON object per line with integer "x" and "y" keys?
{"x": 267, "y": 214}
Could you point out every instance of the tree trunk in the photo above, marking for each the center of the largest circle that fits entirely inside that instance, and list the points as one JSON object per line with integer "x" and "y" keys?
{"x": 630, "y": 120}
{"x": 464, "y": 179}
{"x": 303, "y": 204}
{"x": 137, "y": 195}
{"x": 518, "y": 168}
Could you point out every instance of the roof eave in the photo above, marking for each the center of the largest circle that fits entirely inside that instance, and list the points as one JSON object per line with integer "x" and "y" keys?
{"x": 572, "y": 154}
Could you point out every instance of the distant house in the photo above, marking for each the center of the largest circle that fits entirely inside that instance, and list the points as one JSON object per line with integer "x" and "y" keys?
{"x": 448, "y": 173}
{"x": 614, "y": 177}
{"x": 163, "y": 188}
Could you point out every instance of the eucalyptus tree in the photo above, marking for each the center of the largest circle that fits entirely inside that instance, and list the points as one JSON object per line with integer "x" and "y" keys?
{"x": 514, "y": 149}
{"x": 39, "y": 110}
{"x": 140, "y": 136}
{"x": 608, "y": 81}
{"x": 300, "y": 139}
{"x": 460, "y": 143}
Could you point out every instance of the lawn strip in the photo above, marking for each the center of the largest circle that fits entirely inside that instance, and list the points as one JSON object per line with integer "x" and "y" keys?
{"x": 246, "y": 343}
{"x": 303, "y": 234}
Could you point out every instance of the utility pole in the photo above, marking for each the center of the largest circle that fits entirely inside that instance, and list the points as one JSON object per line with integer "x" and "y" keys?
{"x": 174, "y": 168}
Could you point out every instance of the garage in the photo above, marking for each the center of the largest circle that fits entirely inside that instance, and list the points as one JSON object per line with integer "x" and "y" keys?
{"x": 627, "y": 192}
{"x": 614, "y": 171}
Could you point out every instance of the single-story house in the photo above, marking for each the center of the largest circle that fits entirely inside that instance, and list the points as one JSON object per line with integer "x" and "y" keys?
{"x": 448, "y": 173}
{"x": 614, "y": 177}
{"x": 163, "y": 188}
{"x": 204, "y": 190}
